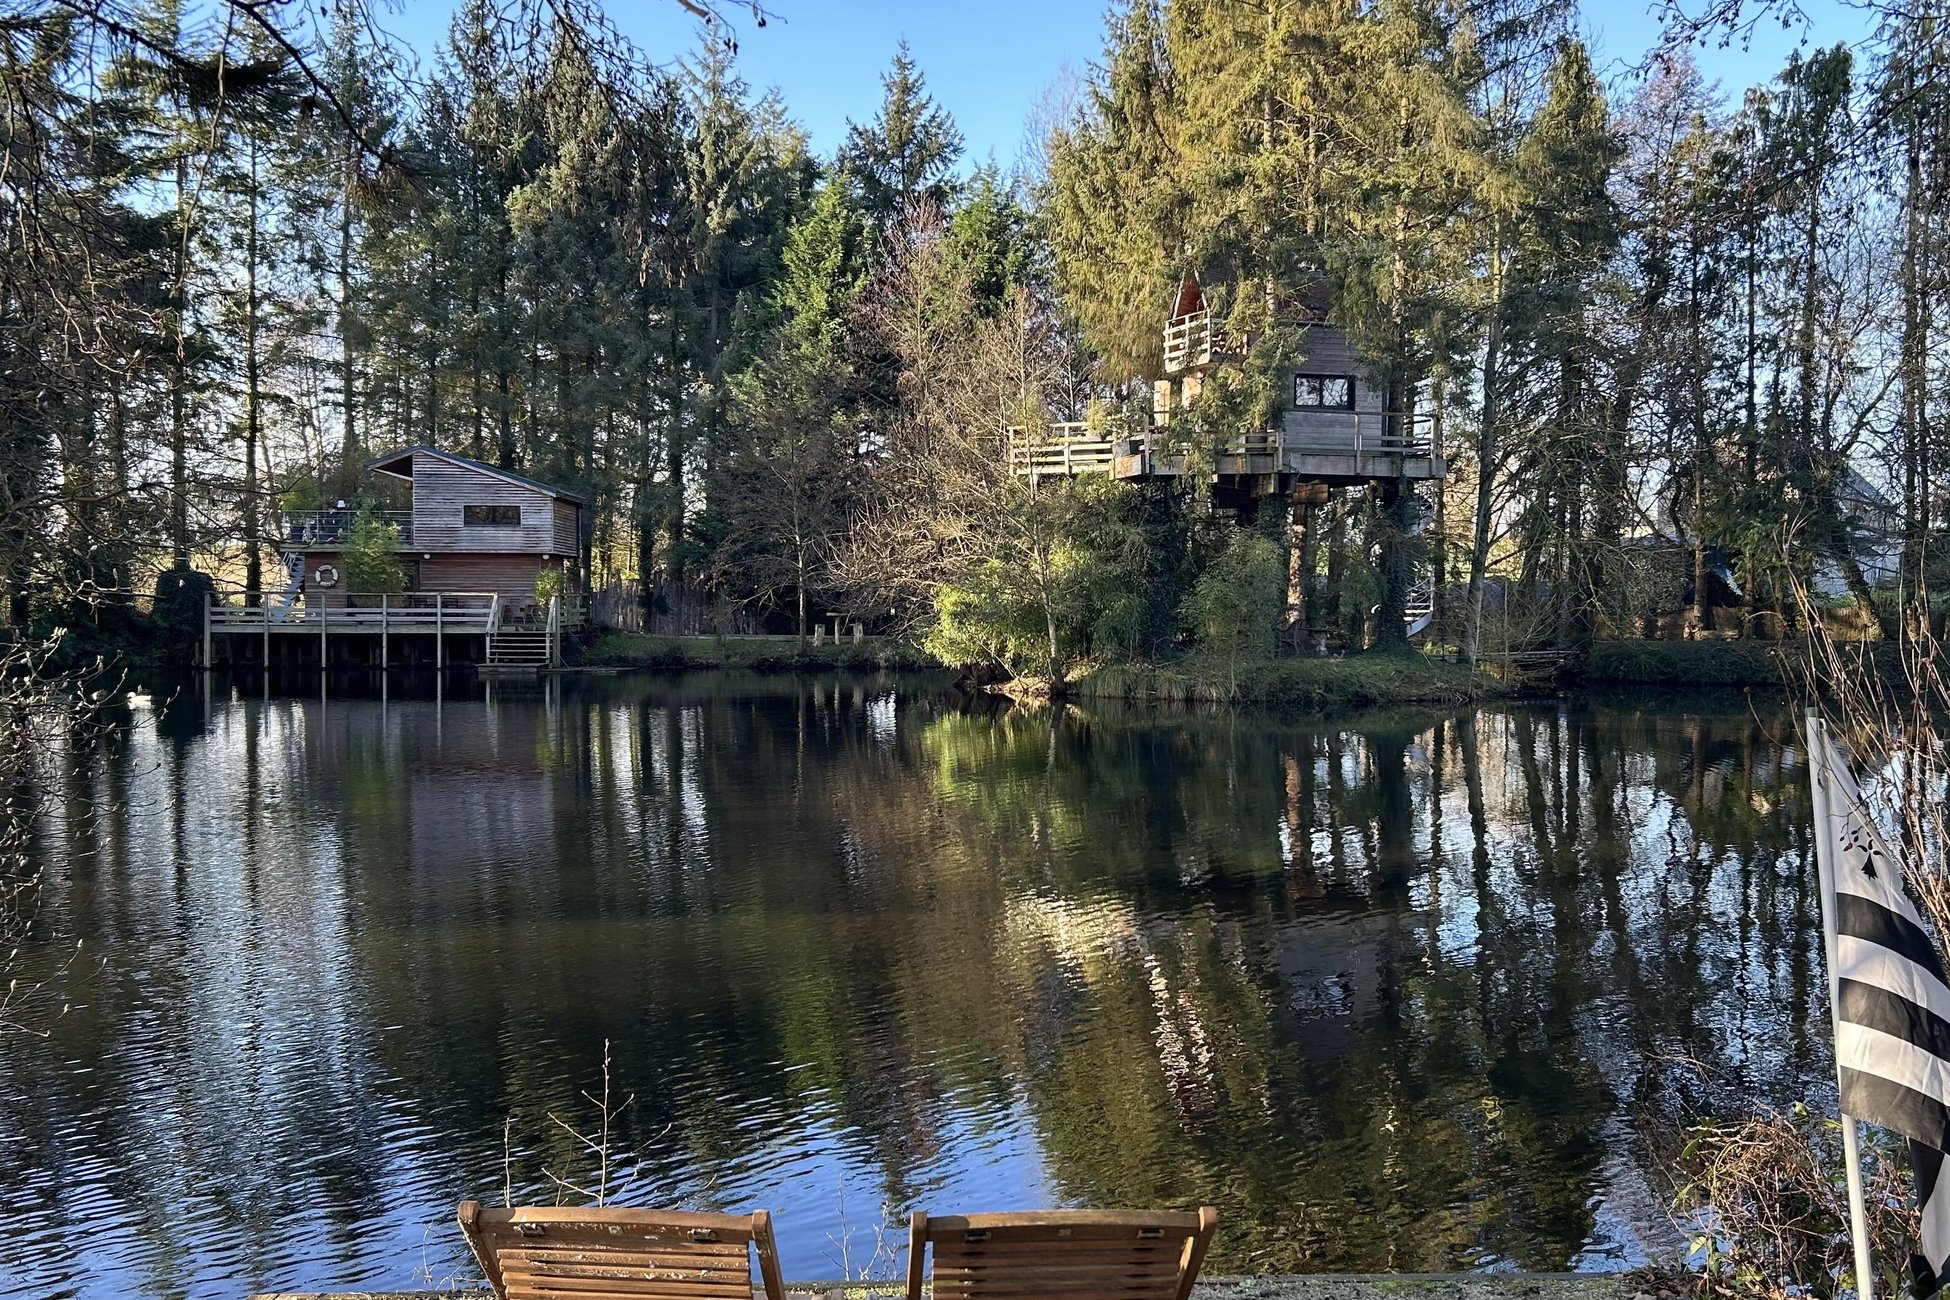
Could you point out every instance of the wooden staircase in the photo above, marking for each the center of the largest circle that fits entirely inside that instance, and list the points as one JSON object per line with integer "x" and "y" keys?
{"x": 521, "y": 646}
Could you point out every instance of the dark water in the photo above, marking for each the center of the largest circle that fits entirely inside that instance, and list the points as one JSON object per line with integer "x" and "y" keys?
{"x": 1394, "y": 993}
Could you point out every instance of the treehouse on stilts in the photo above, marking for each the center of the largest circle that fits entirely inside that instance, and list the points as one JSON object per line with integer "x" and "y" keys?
{"x": 1336, "y": 433}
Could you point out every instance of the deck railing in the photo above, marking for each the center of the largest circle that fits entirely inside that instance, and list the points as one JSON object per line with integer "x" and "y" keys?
{"x": 1368, "y": 433}
{"x": 1189, "y": 341}
{"x": 413, "y": 611}
{"x": 1074, "y": 448}
{"x": 334, "y": 527}
{"x": 1069, "y": 448}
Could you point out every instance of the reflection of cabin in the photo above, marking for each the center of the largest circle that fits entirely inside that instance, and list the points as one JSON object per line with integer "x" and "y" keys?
{"x": 473, "y": 547}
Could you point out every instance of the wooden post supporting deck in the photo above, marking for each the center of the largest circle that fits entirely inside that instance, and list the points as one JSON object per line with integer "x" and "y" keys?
{"x": 1300, "y": 562}
{"x": 439, "y": 632}
{"x": 323, "y": 657}
{"x": 206, "y": 630}
{"x": 385, "y": 630}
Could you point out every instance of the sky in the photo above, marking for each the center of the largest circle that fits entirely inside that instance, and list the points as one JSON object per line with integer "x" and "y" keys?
{"x": 992, "y": 63}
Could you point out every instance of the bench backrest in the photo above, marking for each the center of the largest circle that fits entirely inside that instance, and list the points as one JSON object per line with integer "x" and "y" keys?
{"x": 532, "y": 1252}
{"x": 1064, "y": 1254}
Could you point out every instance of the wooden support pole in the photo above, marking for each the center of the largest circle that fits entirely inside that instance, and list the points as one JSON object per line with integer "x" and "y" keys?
{"x": 385, "y": 630}
{"x": 206, "y": 631}
{"x": 439, "y": 632}
{"x": 1300, "y": 562}
{"x": 323, "y": 657}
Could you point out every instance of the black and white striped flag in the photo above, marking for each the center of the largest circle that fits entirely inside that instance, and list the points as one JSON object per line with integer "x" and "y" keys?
{"x": 1892, "y": 1007}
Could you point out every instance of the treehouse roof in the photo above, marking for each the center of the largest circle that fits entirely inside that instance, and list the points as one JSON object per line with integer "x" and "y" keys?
{"x": 400, "y": 465}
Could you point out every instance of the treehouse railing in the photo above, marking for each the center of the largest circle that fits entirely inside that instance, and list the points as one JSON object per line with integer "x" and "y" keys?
{"x": 1189, "y": 341}
{"x": 334, "y": 527}
{"x": 1075, "y": 448}
{"x": 1070, "y": 448}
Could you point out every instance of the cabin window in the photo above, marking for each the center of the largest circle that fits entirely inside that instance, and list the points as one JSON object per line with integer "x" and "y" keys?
{"x": 492, "y": 516}
{"x": 1324, "y": 392}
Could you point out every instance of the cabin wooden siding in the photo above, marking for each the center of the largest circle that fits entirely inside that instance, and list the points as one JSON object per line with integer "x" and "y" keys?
{"x": 510, "y": 574}
{"x": 317, "y": 597}
{"x": 1328, "y": 352}
{"x": 568, "y": 528}
{"x": 443, "y": 490}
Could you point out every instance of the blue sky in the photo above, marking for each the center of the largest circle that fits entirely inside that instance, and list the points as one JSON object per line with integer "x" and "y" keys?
{"x": 992, "y": 62}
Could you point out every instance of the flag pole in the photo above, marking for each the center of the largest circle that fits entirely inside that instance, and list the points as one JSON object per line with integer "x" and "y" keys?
{"x": 1858, "y": 1214}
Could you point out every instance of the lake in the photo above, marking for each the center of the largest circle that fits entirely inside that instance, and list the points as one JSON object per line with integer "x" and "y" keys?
{"x": 1403, "y": 992}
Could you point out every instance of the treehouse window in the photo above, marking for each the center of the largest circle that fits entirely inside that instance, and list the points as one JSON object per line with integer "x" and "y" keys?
{"x": 492, "y": 516}
{"x": 1323, "y": 392}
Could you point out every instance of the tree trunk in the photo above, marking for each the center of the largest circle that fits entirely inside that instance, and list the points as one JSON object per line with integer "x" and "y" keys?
{"x": 179, "y": 381}
{"x": 1487, "y": 453}
{"x": 348, "y": 400}
{"x": 253, "y": 416}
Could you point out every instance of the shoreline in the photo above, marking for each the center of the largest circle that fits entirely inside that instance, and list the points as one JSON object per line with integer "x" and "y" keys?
{"x": 1299, "y": 1286}
{"x": 1270, "y": 687}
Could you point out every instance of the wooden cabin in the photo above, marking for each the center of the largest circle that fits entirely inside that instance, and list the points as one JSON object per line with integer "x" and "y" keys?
{"x": 473, "y": 527}
{"x": 474, "y": 544}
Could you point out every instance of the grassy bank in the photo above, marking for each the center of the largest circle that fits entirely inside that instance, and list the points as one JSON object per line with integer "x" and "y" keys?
{"x": 1292, "y": 685}
{"x": 1769, "y": 665}
{"x": 1692, "y": 663}
{"x": 752, "y": 654}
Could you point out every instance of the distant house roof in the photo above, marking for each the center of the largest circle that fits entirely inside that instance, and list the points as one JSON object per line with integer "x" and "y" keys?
{"x": 1854, "y": 487}
{"x": 392, "y": 462}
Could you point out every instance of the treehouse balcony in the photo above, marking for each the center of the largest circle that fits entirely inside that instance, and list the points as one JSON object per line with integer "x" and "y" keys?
{"x": 1065, "y": 449}
{"x": 1192, "y": 342}
{"x": 331, "y": 529}
{"x": 1348, "y": 449}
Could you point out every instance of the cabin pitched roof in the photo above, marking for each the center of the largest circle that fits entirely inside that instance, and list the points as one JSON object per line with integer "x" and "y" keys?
{"x": 387, "y": 463}
{"x": 1190, "y": 297}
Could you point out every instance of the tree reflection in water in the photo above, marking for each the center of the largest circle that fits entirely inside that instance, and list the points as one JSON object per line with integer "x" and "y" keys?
{"x": 1391, "y": 991}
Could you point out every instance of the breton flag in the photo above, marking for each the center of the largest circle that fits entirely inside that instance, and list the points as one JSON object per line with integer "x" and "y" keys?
{"x": 1891, "y": 1006}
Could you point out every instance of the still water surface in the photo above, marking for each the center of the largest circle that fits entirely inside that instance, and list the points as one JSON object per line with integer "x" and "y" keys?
{"x": 1394, "y": 993}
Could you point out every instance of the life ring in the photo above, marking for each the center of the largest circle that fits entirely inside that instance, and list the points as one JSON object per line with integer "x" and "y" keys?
{"x": 327, "y": 575}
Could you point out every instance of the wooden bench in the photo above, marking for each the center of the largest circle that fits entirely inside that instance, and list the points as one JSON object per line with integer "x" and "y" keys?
{"x": 533, "y": 1253}
{"x": 1065, "y": 1254}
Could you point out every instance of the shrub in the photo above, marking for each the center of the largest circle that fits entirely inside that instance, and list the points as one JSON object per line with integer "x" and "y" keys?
{"x": 1770, "y": 1208}
{"x": 1687, "y": 663}
{"x": 1233, "y": 610}
{"x": 372, "y": 563}
{"x": 177, "y": 614}
{"x": 550, "y": 583}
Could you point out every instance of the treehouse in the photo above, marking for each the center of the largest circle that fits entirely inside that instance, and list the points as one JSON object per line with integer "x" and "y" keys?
{"x": 1336, "y": 432}
{"x": 473, "y": 551}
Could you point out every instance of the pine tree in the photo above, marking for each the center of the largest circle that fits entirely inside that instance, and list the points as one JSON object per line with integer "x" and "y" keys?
{"x": 906, "y": 156}
{"x": 791, "y": 472}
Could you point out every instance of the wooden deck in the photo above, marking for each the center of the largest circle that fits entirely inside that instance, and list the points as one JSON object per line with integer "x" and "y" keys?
{"x": 509, "y": 639}
{"x": 1361, "y": 450}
